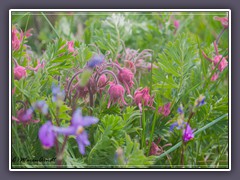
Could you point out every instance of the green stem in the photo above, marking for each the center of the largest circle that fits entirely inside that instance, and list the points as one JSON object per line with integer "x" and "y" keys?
{"x": 152, "y": 131}
{"x": 50, "y": 24}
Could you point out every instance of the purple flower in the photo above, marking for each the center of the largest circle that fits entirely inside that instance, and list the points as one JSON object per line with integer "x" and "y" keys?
{"x": 200, "y": 101}
{"x": 42, "y": 106}
{"x": 187, "y": 133}
{"x": 96, "y": 60}
{"x": 47, "y": 135}
{"x": 76, "y": 128}
{"x": 58, "y": 95}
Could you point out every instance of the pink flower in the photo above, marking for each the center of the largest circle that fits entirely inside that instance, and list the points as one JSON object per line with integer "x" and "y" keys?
{"x": 223, "y": 64}
{"x": 165, "y": 110}
{"x": 126, "y": 76}
{"x": 142, "y": 97}
{"x": 70, "y": 46}
{"x": 214, "y": 77}
{"x": 19, "y": 72}
{"x": 176, "y": 24}
{"x": 102, "y": 81}
{"x": 28, "y": 33}
{"x": 116, "y": 92}
{"x": 155, "y": 150}
{"x": 223, "y": 20}
{"x": 16, "y": 39}
{"x": 25, "y": 117}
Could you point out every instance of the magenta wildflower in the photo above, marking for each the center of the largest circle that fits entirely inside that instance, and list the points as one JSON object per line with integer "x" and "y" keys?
{"x": 165, "y": 110}
{"x": 187, "y": 133}
{"x": 116, "y": 93}
{"x": 126, "y": 76}
{"x": 142, "y": 97}
{"x": 47, "y": 135}
{"x": 76, "y": 128}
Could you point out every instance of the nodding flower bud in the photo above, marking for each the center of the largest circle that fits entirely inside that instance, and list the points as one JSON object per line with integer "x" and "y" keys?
{"x": 102, "y": 81}
{"x": 142, "y": 97}
{"x": 19, "y": 72}
{"x": 116, "y": 93}
{"x": 25, "y": 116}
{"x": 130, "y": 65}
{"x": 165, "y": 110}
{"x": 126, "y": 76}
{"x": 223, "y": 20}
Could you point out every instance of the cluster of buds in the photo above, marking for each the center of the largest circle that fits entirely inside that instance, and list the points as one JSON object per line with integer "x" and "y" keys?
{"x": 218, "y": 62}
{"x": 17, "y": 38}
{"x": 123, "y": 80}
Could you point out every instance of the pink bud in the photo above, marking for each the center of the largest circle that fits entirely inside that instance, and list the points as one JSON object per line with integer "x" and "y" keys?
{"x": 19, "y": 72}
{"x": 165, "y": 110}
{"x": 143, "y": 97}
{"x": 102, "y": 81}
{"x": 214, "y": 77}
{"x": 126, "y": 76}
{"x": 176, "y": 24}
{"x": 155, "y": 150}
{"x": 70, "y": 46}
{"x": 223, "y": 20}
{"x": 116, "y": 93}
{"x": 223, "y": 64}
{"x": 16, "y": 39}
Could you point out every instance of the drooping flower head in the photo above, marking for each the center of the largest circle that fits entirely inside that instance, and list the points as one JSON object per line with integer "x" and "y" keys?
{"x": 78, "y": 122}
{"x": 47, "y": 135}
{"x": 116, "y": 93}
{"x": 187, "y": 133}
{"x": 96, "y": 60}
{"x": 19, "y": 72}
{"x": 24, "y": 116}
{"x": 165, "y": 110}
{"x": 126, "y": 76}
{"x": 223, "y": 20}
{"x": 142, "y": 97}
